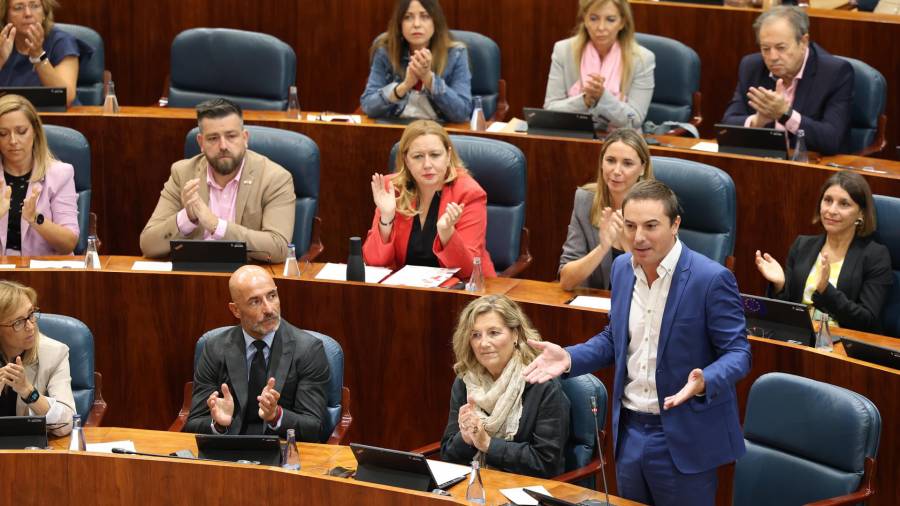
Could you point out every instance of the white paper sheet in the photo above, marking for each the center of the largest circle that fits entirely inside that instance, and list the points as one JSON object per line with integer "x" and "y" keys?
{"x": 420, "y": 276}
{"x": 709, "y": 147}
{"x": 7, "y": 266}
{"x": 56, "y": 264}
{"x": 143, "y": 265}
{"x": 445, "y": 472}
{"x": 338, "y": 272}
{"x": 497, "y": 126}
{"x": 107, "y": 447}
{"x": 518, "y": 496}
{"x": 591, "y": 302}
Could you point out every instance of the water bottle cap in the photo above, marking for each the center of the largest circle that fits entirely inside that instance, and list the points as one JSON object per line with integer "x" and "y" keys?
{"x": 477, "y": 102}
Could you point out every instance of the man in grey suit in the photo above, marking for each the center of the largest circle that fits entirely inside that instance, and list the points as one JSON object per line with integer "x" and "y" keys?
{"x": 264, "y": 376}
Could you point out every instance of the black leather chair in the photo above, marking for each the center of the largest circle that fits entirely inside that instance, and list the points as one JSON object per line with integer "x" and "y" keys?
{"x": 91, "y": 79}
{"x": 676, "y": 96}
{"x": 709, "y": 201}
{"x": 887, "y": 210}
{"x": 500, "y": 169}
{"x": 808, "y": 442}
{"x": 254, "y": 70}
{"x": 867, "y": 118}
{"x": 300, "y": 156}
{"x": 86, "y": 382}
{"x": 484, "y": 62}
{"x": 337, "y": 396}
{"x": 72, "y": 147}
{"x": 582, "y": 458}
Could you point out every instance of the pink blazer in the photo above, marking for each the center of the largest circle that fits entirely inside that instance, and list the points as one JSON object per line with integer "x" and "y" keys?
{"x": 57, "y": 202}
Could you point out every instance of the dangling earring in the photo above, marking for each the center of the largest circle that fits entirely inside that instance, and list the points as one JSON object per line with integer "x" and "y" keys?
{"x": 859, "y": 222}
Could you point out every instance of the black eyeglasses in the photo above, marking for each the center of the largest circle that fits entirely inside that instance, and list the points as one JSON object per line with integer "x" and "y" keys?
{"x": 19, "y": 324}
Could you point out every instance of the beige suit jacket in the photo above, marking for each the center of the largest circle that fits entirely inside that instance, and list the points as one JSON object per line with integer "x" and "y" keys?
{"x": 50, "y": 376}
{"x": 264, "y": 212}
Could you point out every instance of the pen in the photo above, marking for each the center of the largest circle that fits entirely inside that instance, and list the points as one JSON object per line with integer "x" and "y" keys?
{"x": 841, "y": 166}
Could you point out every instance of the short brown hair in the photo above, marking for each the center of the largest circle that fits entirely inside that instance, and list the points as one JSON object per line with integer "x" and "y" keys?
{"x": 11, "y": 297}
{"x": 654, "y": 189}
{"x": 513, "y": 318}
{"x": 858, "y": 189}
{"x": 217, "y": 108}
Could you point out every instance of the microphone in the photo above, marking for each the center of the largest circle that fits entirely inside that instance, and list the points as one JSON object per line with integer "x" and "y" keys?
{"x": 600, "y": 449}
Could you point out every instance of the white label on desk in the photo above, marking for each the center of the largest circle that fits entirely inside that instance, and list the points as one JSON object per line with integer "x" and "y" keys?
{"x": 7, "y": 266}
{"x": 518, "y": 495}
{"x": 56, "y": 264}
{"x": 709, "y": 147}
{"x": 108, "y": 447}
{"x": 591, "y": 302}
{"x": 338, "y": 272}
{"x": 143, "y": 265}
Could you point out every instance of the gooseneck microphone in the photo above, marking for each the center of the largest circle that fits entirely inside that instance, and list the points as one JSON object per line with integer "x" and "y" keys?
{"x": 600, "y": 448}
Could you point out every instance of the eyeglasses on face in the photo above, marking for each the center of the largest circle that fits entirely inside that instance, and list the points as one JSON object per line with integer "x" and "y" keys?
{"x": 32, "y": 6}
{"x": 19, "y": 324}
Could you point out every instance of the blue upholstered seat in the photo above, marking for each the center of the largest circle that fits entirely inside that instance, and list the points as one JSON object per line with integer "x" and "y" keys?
{"x": 869, "y": 98}
{"x": 677, "y": 78}
{"x": 500, "y": 169}
{"x": 709, "y": 201}
{"x": 887, "y": 210}
{"x": 484, "y": 63}
{"x": 72, "y": 147}
{"x": 85, "y": 381}
{"x": 253, "y": 70}
{"x": 90, "y": 71}
{"x": 300, "y": 156}
{"x": 581, "y": 448}
{"x": 806, "y": 441}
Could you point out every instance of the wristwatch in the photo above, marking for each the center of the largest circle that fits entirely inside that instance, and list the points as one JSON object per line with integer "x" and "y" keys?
{"x": 786, "y": 116}
{"x": 38, "y": 59}
{"x": 32, "y": 397}
{"x": 39, "y": 219}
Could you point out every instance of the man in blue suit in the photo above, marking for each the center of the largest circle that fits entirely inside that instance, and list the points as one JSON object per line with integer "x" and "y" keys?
{"x": 793, "y": 84}
{"x": 677, "y": 337}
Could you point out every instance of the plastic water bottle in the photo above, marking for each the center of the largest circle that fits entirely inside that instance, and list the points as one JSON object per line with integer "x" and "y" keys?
{"x": 356, "y": 269}
{"x": 76, "y": 443}
{"x": 293, "y": 108}
{"x": 291, "y": 458}
{"x": 476, "y": 281}
{"x": 800, "y": 154}
{"x": 633, "y": 123}
{"x": 823, "y": 337}
{"x": 91, "y": 255}
{"x": 475, "y": 490}
{"x": 291, "y": 268}
{"x": 110, "y": 103}
{"x": 477, "y": 122}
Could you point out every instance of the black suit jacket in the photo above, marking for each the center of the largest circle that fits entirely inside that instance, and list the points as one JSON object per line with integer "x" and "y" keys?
{"x": 862, "y": 287}
{"x": 536, "y": 449}
{"x": 823, "y": 98}
{"x": 297, "y": 362}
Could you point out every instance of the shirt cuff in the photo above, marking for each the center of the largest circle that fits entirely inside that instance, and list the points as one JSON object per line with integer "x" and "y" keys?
{"x": 275, "y": 426}
{"x": 220, "y": 230}
{"x": 793, "y": 124}
{"x": 215, "y": 430}
{"x": 389, "y": 95}
{"x": 185, "y": 225}
{"x": 750, "y": 119}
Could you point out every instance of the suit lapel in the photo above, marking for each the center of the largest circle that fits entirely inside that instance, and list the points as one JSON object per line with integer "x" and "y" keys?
{"x": 680, "y": 277}
{"x": 236, "y": 364}
{"x": 282, "y": 356}
{"x": 628, "y": 279}
{"x": 246, "y": 185}
{"x": 805, "y": 86}
{"x": 850, "y": 268}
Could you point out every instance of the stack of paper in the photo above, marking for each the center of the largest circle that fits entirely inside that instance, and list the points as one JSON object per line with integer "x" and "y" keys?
{"x": 591, "y": 302}
{"x": 419, "y": 276}
{"x": 338, "y": 272}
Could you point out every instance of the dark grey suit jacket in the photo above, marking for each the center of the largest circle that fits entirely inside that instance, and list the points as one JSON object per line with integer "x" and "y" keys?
{"x": 297, "y": 362}
{"x": 582, "y": 237}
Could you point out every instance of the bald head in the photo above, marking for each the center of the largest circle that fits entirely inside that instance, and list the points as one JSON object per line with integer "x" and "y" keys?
{"x": 254, "y": 300}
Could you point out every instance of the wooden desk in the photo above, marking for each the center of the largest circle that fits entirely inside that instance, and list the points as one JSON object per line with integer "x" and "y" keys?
{"x": 396, "y": 343}
{"x": 132, "y": 153}
{"x": 75, "y": 478}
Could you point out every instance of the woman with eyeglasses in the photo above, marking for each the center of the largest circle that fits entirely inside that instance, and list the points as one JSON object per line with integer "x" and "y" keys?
{"x": 34, "y": 369}
{"x": 35, "y": 53}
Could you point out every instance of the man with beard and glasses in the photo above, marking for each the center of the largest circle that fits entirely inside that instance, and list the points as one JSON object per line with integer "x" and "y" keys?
{"x": 226, "y": 192}
{"x": 264, "y": 376}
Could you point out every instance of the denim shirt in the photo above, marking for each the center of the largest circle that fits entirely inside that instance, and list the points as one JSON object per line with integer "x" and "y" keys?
{"x": 451, "y": 95}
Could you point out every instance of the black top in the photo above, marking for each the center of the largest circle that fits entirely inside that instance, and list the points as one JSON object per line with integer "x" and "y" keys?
{"x": 537, "y": 448}
{"x": 19, "y": 186}
{"x": 7, "y": 397}
{"x": 420, "y": 250}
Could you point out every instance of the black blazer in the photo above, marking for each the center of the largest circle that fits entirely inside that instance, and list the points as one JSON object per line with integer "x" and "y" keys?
{"x": 823, "y": 98}
{"x": 536, "y": 449}
{"x": 298, "y": 363}
{"x": 862, "y": 287}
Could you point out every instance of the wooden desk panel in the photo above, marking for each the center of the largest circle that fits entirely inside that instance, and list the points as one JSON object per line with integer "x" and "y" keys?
{"x": 132, "y": 153}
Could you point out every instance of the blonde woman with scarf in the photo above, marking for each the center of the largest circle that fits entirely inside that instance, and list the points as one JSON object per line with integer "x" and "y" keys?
{"x": 516, "y": 426}
{"x": 601, "y": 70}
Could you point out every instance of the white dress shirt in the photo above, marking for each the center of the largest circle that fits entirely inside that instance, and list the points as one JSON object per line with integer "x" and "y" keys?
{"x": 648, "y": 303}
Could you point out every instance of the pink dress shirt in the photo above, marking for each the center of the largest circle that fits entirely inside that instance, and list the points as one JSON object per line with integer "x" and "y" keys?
{"x": 793, "y": 124}
{"x": 222, "y": 202}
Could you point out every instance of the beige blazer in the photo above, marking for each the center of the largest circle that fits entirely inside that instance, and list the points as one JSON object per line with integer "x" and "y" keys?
{"x": 50, "y": 376}
{"x": 264, "y": 212}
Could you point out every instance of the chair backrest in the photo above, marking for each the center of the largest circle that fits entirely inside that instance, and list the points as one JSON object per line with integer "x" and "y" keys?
{"x": 806, "y": 441}
{"x": 335, "y": 355}
{"x": 869, "y": 98}
{"x": 887, "y": 210}
{"x": 251, "y": 69}
{"x": 70, "y": 146}
{"x": 677, "y": 77}
{"x": 484, "y": 63}
{"x": 78, "y": 337}
{"x": 709, "y": 202}
{"x": 582, "y": 443}
{"x": 300, "y": 156}
{"x": 90, "y": 70}
{"x": 500, "y": 169}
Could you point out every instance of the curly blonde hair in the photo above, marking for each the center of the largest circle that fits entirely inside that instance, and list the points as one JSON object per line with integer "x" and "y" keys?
{"x": 513, "y": 318}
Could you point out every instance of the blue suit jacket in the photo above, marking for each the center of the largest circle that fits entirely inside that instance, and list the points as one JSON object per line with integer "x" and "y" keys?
{"x": 703, "y": 327}
{"x": 823, "y": 98}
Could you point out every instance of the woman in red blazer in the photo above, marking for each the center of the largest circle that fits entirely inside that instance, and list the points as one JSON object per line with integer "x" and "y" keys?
{"x": 430, "y": 211}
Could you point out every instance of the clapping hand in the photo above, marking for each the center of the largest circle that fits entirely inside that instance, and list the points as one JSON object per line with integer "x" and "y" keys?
{"x": 197, "y": 210}
{"x": 420, "y": 63}
{"x": 771, "y": 270}
{"x": 34, "y": 39}
{"x": 268, "y": 402}
{"x": 695, "y": 385}
{"x": 4, "y": 201}
{"x": 592, "y": 88}
{"x": 769, "y": 105}
{"x": 611, "y": 227}
{"x": 467, "y": 419}
{"x": 446, "y": 223}
{"x": 29, "y": 207}
{"x": 824, "y": 273}
{"x": 221, "y": 409}
{"x": 384, "y": 198}
{"x": 7, "y": 40}
{"x": 552, "y": 362}
{"x": 13, "y": 374}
